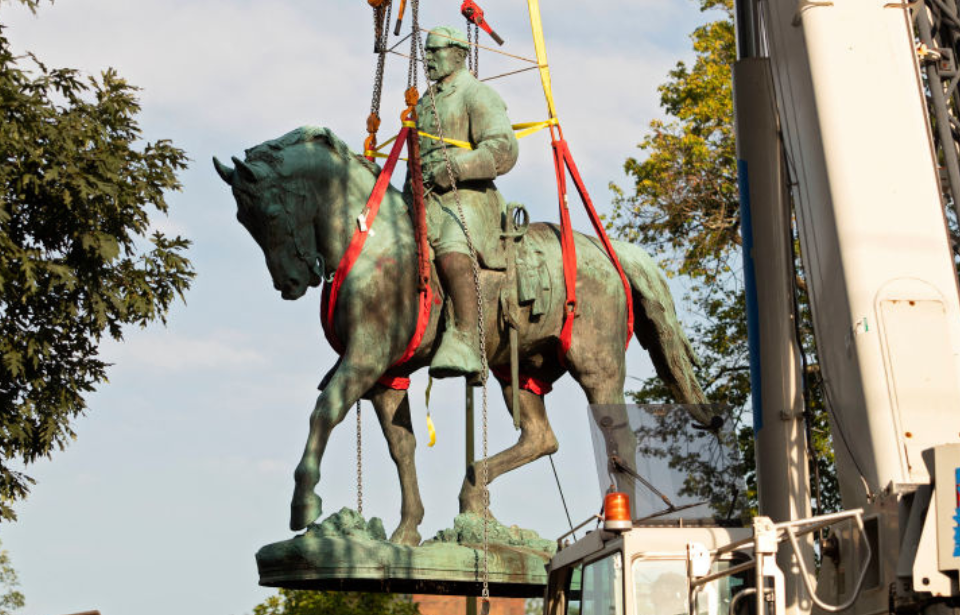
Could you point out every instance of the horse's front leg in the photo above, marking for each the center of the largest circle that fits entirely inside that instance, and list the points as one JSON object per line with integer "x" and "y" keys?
{"x": 393, "y": 410}
{"x": 351, "y": 380}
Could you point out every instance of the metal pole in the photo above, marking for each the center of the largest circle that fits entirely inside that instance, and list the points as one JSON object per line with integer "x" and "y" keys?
{"x": 747, "y": 29}
{"x": 948, "y": 147}
{"x": 471, "y": 600}
{"x": 760, "y": 605}
{"x": 469, "y": 428}
{"x": 783, "y": 482}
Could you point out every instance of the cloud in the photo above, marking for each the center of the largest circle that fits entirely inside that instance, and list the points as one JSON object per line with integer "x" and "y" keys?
{"x": 160, "y": 223}
{"x": 233, "y": 465}
{"x": 213, "y": 65}
{"x": 272, "y": 467}
{"x": 173, "y": 352}
{"x": 259, "y": 69}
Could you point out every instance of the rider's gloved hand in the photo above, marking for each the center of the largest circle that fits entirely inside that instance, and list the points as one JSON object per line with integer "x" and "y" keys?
{"x": 437, "y": 175}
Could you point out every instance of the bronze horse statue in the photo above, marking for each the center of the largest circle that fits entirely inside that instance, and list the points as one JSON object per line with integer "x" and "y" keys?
{"x": 300, "y": 195}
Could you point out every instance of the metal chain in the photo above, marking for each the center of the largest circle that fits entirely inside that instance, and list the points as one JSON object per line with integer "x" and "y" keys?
{"x": 381, "y": 26}
{"x": 381, "y": 34}
{"x": 415, "y": 33}
{"x": 485, "y": 481}
{"x": 359, "y": 463}
{"x": 469, "y": 49}
{"x": 475, "y": 266}
{"x": 377, "y": 25}
{"x": 476, "y": 48}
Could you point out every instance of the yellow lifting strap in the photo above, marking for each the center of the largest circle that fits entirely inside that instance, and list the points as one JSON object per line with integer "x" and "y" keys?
{"x": 524, "y": 129}
{"x": 460, "y": 144}
{"x": 537, "y": 26}
{"x": 528, "y": 128}
{"x": 431, "y": 431}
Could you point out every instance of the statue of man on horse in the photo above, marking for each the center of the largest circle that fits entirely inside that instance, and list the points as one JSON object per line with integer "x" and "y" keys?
{"x": 459, "y": 181}
{"x": 304, "y": 199}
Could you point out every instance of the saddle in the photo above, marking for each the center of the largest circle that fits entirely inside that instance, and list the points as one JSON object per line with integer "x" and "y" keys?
{"x": 528, "y": 281}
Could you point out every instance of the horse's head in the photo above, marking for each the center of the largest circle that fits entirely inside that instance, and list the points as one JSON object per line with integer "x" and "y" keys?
{"x": 272, "y": 191}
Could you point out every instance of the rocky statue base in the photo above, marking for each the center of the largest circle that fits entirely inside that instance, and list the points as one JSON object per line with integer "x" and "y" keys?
{"x": 347, "y": 553}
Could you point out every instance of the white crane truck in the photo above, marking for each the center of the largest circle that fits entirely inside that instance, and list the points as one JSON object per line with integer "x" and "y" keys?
{"x": 847, "y": 126}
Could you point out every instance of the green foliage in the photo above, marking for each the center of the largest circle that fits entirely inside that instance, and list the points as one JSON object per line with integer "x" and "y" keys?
{"x": 533, "y": 606}
{"x": 685, "y": 206}
{"x": 685, "y": 190}
{"x": 303, "y": 602}
{"x": 30, "y": 4}
{"x": 10, "y": 599}
{"x": 76, "y": 263}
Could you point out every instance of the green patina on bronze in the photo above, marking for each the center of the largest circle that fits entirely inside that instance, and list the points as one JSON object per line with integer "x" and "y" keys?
{"x": 460, "y": 193}
{"x": 471, "y": 112}
{"x": 300, "y": 196}
{"x": 346, "y": 552}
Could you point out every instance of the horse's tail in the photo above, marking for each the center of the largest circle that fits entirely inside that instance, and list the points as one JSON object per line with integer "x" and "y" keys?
{"x": 656, "y": 325}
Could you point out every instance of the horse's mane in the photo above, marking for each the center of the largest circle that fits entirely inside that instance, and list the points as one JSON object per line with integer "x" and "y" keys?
{"x": 271, "y": 152}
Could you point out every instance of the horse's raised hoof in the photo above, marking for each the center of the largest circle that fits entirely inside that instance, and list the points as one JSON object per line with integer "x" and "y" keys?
{"x": 304, "y": 511}
{"x": 408, "y": 536}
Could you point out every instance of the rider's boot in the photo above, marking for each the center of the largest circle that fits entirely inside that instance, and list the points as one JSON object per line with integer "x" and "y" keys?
{"x": 459, "y": 351}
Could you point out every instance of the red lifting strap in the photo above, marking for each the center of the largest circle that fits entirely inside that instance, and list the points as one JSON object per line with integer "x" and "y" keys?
{"x": 419, "y": 211}
{"x": 563, "y": 158}
{"x": 398, "y": 383}
{"x": 330, "y": 291}
{"x": 527, "y": 382}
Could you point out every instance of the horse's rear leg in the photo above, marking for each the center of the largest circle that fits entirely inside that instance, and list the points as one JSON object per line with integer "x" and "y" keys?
{"x": 536, "y": 440}
{"x": 393, "y": 410}
{"x": 599, "y": 367}
{"x": 343, "y": 390}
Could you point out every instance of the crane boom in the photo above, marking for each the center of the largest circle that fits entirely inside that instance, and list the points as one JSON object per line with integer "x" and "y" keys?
{"x": 847, "y": 124}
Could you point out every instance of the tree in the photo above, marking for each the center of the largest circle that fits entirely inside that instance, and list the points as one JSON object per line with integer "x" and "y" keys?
{"x": 10, "y": 599}
{"x": 303, "y": 602}
{"x": 533, "y": 606}
{"x": 76, "y": 263}
{"x": 685, "y": 206}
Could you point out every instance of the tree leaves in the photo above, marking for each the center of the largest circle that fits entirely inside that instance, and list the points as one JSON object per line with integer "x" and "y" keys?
{"x": 302, "y": 602}
{"x": 77, "y": 188}
{"x": 685, "y": 206}
{"x": 685, "y": 203}
{"x": 11, "y": 599}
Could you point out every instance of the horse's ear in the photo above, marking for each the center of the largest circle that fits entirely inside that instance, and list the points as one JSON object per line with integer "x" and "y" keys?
{"x": 244, "y": 170}
{"x": 226, "y": 173}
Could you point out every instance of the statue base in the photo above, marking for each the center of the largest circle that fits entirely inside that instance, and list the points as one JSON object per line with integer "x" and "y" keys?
{"x": 345, "y": 553}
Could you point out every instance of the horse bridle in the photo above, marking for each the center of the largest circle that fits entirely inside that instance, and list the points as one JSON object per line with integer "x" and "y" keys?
{"x": 315, "y": 262}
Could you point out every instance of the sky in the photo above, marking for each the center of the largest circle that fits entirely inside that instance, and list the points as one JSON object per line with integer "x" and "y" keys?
{"x": 182, "y": 467}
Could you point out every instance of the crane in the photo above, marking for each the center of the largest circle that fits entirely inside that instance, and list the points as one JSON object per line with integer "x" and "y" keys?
{"x": 846, "y": 124}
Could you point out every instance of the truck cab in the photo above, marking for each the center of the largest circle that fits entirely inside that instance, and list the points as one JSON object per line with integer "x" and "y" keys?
{"x": 645, "y": 571}
{"x": 657, "y": 548}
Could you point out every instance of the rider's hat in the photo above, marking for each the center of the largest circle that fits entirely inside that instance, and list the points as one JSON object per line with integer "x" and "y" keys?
{"x": 447, "y": 36}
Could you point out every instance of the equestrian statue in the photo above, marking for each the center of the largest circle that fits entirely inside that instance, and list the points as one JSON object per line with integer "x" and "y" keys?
{"x": 300, "y": 196}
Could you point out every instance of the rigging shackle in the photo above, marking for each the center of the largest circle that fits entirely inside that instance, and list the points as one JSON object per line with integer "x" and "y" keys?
{"x": 411, "y": 96}
{"x": 370, "y": 144}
